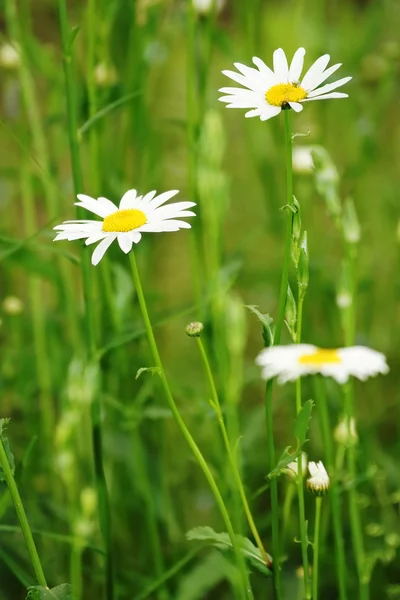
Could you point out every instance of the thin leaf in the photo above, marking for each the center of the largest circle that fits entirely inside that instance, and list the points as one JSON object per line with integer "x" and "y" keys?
{"x": 6, "y": 445}
{"x": 74, "y": 32}
{"x": 223, "y": 542}
{"x": 39, "y": 592}
{"x": 266, "y": 322}
{"x": 302, "y": 423}
{"x": 152, "y": 370}
{"x": 106, "y": 110}
{"x": 287, "y": 457}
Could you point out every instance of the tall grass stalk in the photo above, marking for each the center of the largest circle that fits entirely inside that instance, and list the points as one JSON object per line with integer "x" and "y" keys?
{"x": 101, "y": 484}
{"x": 318, "y": 502}
{"x": 232, "y": 458}
{"x": 19, "y": 509}
{"x": 245, "y": 583}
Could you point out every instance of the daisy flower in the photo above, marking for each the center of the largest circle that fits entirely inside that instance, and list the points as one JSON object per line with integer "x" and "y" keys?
{"x": 269, "y": 91}
{"x": 135, "y": 215}
{"x": 318, "y": 483}
{"x": 292, "y": 361}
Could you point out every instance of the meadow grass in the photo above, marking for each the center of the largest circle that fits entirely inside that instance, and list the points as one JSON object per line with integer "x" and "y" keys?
{"x": 135, "y": 463}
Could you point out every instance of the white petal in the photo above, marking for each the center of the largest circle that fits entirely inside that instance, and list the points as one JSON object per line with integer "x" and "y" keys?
{"x": 168, "y": 225}
{"x": 148, "y": 197}
{"x": 314, "y": 72}
{"x": 70, "y": 236}
{"x": 269, "y": 111}
{"x": 254, "y": 78}
{"x": 242, "y": 104}
{"x": 253, "y": 113}
{"x": 92, "y": 239}
{"x": 101, "y": 249}
{"x": 327, "y": 96}
{"x": 113, "y": 207}
{"x": 136, "y": 236}
{"x": 324, "y": 75}
{"x": 98, "y": 208}
{"x": 281, "y": 68}
{"x": 125, "y": 241}
{"x": 329, "y": 87}
{"x": 128, "y": 199}
{"x": 297, "y": 107}
{"x": 296, "y": 66}
{"x": 159, "y": 200}
{"x": 247, "y": 83}
{"x": 267, "y": 73}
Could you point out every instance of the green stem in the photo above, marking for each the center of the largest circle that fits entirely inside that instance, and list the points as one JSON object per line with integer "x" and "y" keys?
{"x": 232, "y": 459}
{"x": 318, "y": 502}
{"x": 246, "y": 593}
{"x": 340, "y": 552}
{"x": 101, "y": 484}
{"x": 289, "y": 225}
{"x": 19, "y": 508}
{"x": 276, "y": 541}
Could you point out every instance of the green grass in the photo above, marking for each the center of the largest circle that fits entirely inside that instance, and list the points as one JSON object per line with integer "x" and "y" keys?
{"x": 73, "y": 342}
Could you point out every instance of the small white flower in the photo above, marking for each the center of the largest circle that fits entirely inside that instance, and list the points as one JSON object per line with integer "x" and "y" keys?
{"x": 269, "y": 91}
{"x": 292, "y": 361}
{"x": 318, "y": 483}
{"x": 135, "y": 215}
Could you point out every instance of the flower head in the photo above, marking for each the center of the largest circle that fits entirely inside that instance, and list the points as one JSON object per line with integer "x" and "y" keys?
{"x": 135, "y": 215}
{"x": 318, "y": 483}
{"x": 292, "y": 361}
{"x": 345, "y": 432}
{"x": 292, "y": 469}
{"x": 269, "y": 91}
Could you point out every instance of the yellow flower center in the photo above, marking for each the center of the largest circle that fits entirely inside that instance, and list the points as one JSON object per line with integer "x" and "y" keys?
{"x": 282, "y": 93}
{"x": 124, "y": 220}
{"x": 320, "y": 357}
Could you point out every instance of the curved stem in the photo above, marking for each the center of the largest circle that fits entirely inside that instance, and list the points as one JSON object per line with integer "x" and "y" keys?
{"x": 19, "y": 508}
{"x": 246, "y": 593}
{"x": 232, "y": 459}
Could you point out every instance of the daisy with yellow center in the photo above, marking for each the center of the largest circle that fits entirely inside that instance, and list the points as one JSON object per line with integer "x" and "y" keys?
{"x": 126, "y": 223}
{"x": 288, "y": 363}
{"x": 269, "y": 91}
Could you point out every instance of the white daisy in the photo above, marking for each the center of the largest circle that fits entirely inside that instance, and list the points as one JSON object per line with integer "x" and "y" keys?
{"x": 269, "y": 91}
{"x": 292, "y": 361}
{"x": 136, "y": 214}
{"x": 318, "y": 483}
{"x": 292, "y": 469}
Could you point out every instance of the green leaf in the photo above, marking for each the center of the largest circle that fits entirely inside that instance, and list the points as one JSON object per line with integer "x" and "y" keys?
{"x": 72, "y": 37}
{"x": 266, "y": 321}
{"x": 287, "y": 457}
{"x": 39, "y": 592}
{"x": 223, "y": 542}
{"x": 303, "y": 423}
{"x": 108, "y": 109}
{"x": 153, "y": 371}
{"x": 6, "y": 445}
{"x": 197, "y": 583}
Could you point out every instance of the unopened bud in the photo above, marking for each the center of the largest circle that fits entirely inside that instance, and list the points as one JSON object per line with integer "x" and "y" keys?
{"x": 290, "y": 309}
{"x": 318, "y": 483}
{"x": 194, "y": 329}
{"x": 292, "y": 469}
{"x": 9, "y": 56}
{"x": 345, "y": 432}
{"x": 303, "y": 159}
{"x": 203, "y": 7}
{"x": 350, "y": 223}
{"x": 302, "y": 270}
{"x": 88, "y": 501}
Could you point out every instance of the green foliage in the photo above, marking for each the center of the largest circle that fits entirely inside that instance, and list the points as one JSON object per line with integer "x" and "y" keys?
{"x": 61, "y": 592}
{"x": 6, "y": 445}
{"x": 223, "y": 542}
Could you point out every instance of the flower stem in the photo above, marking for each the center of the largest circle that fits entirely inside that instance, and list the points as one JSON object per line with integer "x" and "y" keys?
{"x": 289, "y": 225}
{"x": 19, "y": 508}
{"x": 277, "y": 337}
{"x": 101, "y": 484}
{"x": 318, "y": 502}
{"x": 321, "y": 402}
{"x": 232, "y": 459}
{"x": 300, "y": 479}
{"x": 246, "y": 590}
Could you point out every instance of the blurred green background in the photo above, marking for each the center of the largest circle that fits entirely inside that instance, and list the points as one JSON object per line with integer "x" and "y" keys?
{"x": 147, "y": 74}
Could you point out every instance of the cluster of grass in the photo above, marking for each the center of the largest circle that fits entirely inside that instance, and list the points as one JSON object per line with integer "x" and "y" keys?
{"x": 107, "y": 95}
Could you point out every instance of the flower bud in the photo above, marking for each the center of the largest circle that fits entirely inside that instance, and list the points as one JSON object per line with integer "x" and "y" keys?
{"x": 303, "y": 159}
{"x": 318, "y": 483}
{"x": 292, "y": 469}
{"x": 290, "y": 310}
{"x": 345, "y": 432}
{"x": 13, "y": 306}
{"x": 350, "y": 223}
{"x": 9, "y": 56}
{"x": 203, "y": 7}
{"x": 194, "y": 329}
{"x": 302, "y": 269}
{"x": 88, "y": 501}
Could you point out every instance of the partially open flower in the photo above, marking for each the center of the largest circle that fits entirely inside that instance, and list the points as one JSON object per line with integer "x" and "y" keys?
{"x": 292, "y": 361}
{"x": 135, "y": 215}
{"x": 292, "y": 469}
{"x": 318, "y": 483}
{"x": 269, "y": 91}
